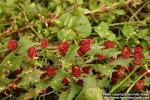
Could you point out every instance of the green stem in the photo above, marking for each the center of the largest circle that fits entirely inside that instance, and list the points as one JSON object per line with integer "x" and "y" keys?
{"x": 125, "y": 79}
{"x": 135, "y": 22}
{"x": 135, "y": 82}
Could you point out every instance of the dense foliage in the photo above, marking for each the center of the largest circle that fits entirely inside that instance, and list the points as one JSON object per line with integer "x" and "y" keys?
{"x": 74, "y": 49}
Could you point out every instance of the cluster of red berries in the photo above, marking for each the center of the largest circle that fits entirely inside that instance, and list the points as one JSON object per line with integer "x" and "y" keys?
{"x": 84, "y": 46}
{"x": 32, "y": 51}
{"x": 120, "y": 73}
{"x": 76, "y": 72}
{"x": 138, "y": 55}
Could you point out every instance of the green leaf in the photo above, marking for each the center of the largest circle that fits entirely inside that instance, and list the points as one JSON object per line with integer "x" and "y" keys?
{"x": 61, "y": 34}
{"x": 111, "y": 52}
{"x": 24, "y": 45}
{"x": 122, "y": 62}
{"x": 128, "y": 30}
{"x": 93, "y": 94}
{"x": 71, "y": 53}
{"x": 32, "y": 75}
{"x": 95, "y": 49}
{"x": 90, "y": 82}
{"x": 142, "y": 33}
{"x": 63, "y": 95}
{"x": 104, "y": 83}
{"x": 42, "y": 85}
{"x": 56, "y": 81}
{"x": 103, "y": 31}
{"x": 104, "y": 69}
{"x": 91, "y": 91}
{"x": 4, "y": 83}
{"x": 64, "y": 19}
{"x": 11, "y": 62}
{"x": 119, "y": 12}
{"x": 81, "y": 24}
{"x": 66, "y": 34}
{"x": 74, "y": 90}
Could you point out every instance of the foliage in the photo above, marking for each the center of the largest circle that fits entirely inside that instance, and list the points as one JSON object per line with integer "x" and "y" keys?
{"x": 121, "y": 22}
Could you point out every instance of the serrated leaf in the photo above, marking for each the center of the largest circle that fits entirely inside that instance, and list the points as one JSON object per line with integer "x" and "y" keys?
{"x": 122, "y": 62}
{"x": 56, "y": 81}
{"x": 95, "y": 49}
{"x": 74, "y": 90}
{"x": 71, "y": 53}
{"x": 104, "y": 69}
{"x": 24, "y": 45}
{"x": 63, "y": 95}
{"x": 104, "y": 83}
{"x": 111, "y": 52}
{"x": 32, "y": 75}
{"x": 90, "y": 82}
{"x": 12, "y": 62}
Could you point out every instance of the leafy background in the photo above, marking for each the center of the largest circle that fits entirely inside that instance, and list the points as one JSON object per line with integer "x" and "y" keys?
{"x": 126, "y": 22}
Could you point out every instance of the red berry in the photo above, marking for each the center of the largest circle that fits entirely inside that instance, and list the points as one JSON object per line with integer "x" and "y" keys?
{"x": 62, "y": 48}
{"x": 109, "y": 44}
{"x": 86, "y": 42}
{"x": 86, "y": 70}
{"x": 51, "y": 71}
{"x": 101, "y": 57}
{"x": 138, "y": 49}
{"x": 12, "y": 45}
{"x": 137, "y": 61}
{"x": 84, "y": 48}
{"x": 148, "y": 47}
{"x": 80, "y": 82}
{"x": 139, "y": 85}
{"x": 76, "y": 71}
{"x": 19, "y": 70}
{"x": 79, "y": 52}
{"x": 138, "y": 55}
{"x": 114, "y": 77}
{"x": 44, "y": 42}
{"x": 126, "y": 52}
{"x": 130, "y": 69}
{"x": 66, "y": 81}
{"x": 121, "y": 72}
{"x": 32, "y": 52}
{"x": 142, "y": 71}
